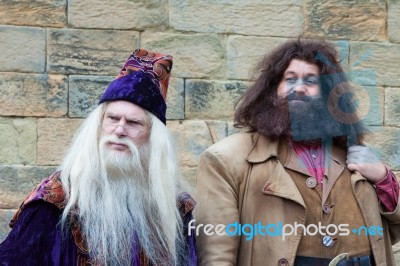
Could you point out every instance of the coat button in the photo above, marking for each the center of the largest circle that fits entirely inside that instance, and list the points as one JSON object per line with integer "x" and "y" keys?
{"x": 311, "y": 182}
{"x": 328, "y": 241}
{"x": 283, "y": 262}
{"x": 326, "y": 209}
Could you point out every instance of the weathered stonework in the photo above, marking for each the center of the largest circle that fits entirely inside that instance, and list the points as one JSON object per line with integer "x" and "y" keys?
{"x": 245, "y": 17}
{"x": 370, "y": 102}
{"x": 18, "y": 181}
{"x": 85, "y": 92}
{"x": 23, "y": 48}
{"x": 118, "y": 14}
{"x": 33, "y": 95}
{"x": 18, "y": 140}
{"x": 380, "y": 62}
{"x": 212, "y": 99}
{"x": 355, "y": 20}
{"x": 192, "y": 137}
{"x": 392, "y": 107}
{"x": 44, "y": 13}
{"x": 175, "y": 99}
{"x": 5, "y": 218}
{"x": 394, "y": 20}
{"x": 385, "y": 142}
{"x": 195, "y": 55}
{"x": 54, "y": 138}
{"x": 244, "y": 53}
{"x": 100, "y": 52}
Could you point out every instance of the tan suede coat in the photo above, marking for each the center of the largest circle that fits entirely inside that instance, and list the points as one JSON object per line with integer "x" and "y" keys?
{"x": 248, "y": 178}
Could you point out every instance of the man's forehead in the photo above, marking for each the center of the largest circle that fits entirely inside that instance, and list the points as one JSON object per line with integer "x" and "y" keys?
{"x": 126, "y": 110}
{"x": 299, "y": 66}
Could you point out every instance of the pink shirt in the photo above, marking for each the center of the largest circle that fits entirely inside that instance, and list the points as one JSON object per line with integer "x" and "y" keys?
{"x": 313, "y": 157}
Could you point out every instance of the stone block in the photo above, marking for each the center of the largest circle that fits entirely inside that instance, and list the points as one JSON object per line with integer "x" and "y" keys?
{"x": 195, "y": 55}
{"x": 18, "y": 140}
{"x": 378, "y": 60}
{"x": 5, "y": 218}
{"x": 100, "y": 52}
{"x": 175, "y": 99}
{"x": 212, "y": 99}
{"x": 244, "y": 53}
{"x": 394, "y": 21}
{"x": 354, "y": 20}
{"x": 392, "y": 107}
{"x": 118, "y": 14}
{"x": 22, "y": 48}
{"x": 385, "y": 142}
{"x": 189, "y": 175}
{"x": 192, "y": 137}
{"x": 33, "y": 95}
{"x": 85, "y": 92}
{"x": 42, "y": 13}
{"x": 370, "y": 104}
{"x": 18, "y": 181}
{"x": 239, "y": 17}
{"x": 54, "y": 138}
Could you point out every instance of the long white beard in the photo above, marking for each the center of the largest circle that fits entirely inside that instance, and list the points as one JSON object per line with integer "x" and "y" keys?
{"x": 116, "y": 209}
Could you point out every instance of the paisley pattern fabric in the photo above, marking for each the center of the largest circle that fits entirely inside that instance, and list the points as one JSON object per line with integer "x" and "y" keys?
{"x": 143, "y": 80}
{"x": 155, "y": 64}
{"x": 50, "y": 191}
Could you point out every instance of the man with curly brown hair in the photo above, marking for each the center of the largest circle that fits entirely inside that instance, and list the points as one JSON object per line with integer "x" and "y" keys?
{"x": 299, "y": 187}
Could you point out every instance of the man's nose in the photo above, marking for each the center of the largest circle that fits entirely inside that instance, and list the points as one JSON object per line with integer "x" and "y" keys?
{"x": 299, "y": 88}
{"x": 120, "y": 129}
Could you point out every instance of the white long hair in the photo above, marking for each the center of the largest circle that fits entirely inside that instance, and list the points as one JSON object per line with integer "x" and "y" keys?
{"x": 118, "y": 214}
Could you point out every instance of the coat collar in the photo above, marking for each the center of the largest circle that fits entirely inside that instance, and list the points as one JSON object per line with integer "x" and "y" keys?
{"x": 280, "y": 183}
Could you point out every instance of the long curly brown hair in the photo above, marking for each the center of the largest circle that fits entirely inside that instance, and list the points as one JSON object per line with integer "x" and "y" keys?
{"x": 257, "y": 109}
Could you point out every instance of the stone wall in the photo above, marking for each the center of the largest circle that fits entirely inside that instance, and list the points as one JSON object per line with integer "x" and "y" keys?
{"x": 57, "y": 57}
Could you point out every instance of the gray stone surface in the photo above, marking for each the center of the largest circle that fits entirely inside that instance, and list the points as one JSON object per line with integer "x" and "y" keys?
{"x": 195, "y": 55}
{"x": 394, "y": 20}
{"x": 392, "y": 107}
{"x": 33, "y": 95}
{"x": 355, "y": 20}
{"x": 100, "y": 52}
{"x": 44, "y": 13}
{"x": 379, "y": 62}
{"x": 212, "y": 99}
{"x": 176, "y": 99}
{"x": 245, "y": 52}
{"x": 85, "y": 92}
{"x": 54, "y": 138}
{"x": 18, "y": 140}
{"x": 118, "y": 14}
{"x": 17, "y": 181}
{"x": 22, "y": 48}
{"x": 193, "y": 137}
{"x": 239, "y": 17}
{"x": 5, "y": 218}
{"x": 385, "y": 142}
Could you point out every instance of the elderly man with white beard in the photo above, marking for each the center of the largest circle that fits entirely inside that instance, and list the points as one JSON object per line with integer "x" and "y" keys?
{"x": 117, "y": 198}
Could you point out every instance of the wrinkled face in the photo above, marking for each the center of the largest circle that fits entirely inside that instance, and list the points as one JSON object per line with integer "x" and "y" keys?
{"x": 300, "y": 79}
{"x": 127, "y": 121}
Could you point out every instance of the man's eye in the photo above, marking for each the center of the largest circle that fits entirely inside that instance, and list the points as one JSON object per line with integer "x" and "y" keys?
{"x": 291, "y": 80}
{"x": 311, "y": 81}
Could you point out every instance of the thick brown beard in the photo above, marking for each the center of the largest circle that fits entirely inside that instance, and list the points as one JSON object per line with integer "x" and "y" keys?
{"x": 307, "y": 121}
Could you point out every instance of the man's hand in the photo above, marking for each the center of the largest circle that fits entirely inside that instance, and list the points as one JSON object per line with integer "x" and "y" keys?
{"x": 361, "y": 159}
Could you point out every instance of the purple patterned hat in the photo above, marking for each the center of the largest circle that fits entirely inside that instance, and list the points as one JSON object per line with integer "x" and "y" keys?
{"x": 143, "y": 80}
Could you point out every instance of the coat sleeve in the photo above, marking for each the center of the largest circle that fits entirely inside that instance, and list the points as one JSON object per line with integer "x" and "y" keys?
{"x": 217, "y": 192}
{"x": 33, "y": 237}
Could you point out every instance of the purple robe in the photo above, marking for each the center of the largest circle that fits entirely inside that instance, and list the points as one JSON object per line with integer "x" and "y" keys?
{"x": 37, "y": 238}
